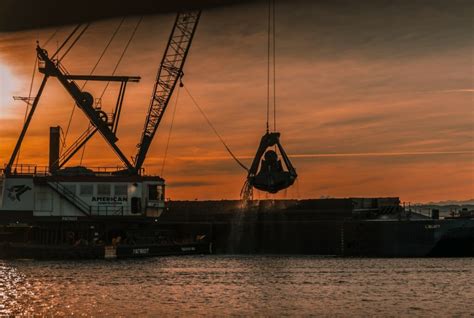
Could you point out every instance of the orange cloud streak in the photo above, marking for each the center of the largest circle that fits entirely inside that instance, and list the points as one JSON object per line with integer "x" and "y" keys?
{"x": 363, "y": 110}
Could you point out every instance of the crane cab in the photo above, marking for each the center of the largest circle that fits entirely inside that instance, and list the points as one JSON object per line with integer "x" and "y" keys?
{"x": 155, "y": 197}
{"x": 81, "y": 192}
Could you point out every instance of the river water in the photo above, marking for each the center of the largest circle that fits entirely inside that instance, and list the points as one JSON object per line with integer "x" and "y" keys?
{"x": 239, "y": 285}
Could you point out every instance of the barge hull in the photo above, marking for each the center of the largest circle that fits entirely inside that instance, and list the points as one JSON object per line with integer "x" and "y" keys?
{"x": 51, "y": 252}
{"x": 347, "y": 238}
{"x": 312, "y": 227}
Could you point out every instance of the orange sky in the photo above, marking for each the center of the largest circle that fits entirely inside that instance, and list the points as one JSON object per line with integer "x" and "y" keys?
{"x": 371, "y": 101}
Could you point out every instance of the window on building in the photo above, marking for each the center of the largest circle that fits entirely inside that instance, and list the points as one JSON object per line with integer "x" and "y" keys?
{"x": 155, "y": 192}
{"x": 121, "y": 190}
{"x": 103, "y": 189}
{"x": 86, "y": 189}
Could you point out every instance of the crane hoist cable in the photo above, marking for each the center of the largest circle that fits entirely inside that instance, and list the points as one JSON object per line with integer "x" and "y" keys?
{"x": 271, "y": 60}
{"x": 74, "y": 42}
{"x": 215, "y": 130}
{"x": 51, "y": 36}
{"x": 271, "y": 63}
{"x": 132, "y": 35}
{"x": 170, "y": 130}
{"x": 268, "y": 66}
{"x": 274, "y": 66}
{"x": 31, "y": 86}
{"x": 28, "y": 101}
{"x": 91, "y": 72}
{"x": 67, "y": 40}
{"x": 267, "y": 172}
{"x": 123, "y": 53}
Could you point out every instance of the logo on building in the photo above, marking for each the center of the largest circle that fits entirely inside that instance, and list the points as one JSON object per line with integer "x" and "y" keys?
{"x": 15, "y": 192}
{"x": 110, "y": 199}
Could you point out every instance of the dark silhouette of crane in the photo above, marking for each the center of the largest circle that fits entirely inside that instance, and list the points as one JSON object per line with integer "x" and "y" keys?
{"x": 100, "y": 121}
{"x": 267, "y": 173}
{"x": 170, "y": 71}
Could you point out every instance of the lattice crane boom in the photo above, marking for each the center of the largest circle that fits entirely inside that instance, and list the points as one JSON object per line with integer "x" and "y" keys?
{"x": 169, "y": 73}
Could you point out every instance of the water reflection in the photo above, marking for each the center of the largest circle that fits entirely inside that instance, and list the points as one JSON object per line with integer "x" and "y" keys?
{"x": 242, "y": 285}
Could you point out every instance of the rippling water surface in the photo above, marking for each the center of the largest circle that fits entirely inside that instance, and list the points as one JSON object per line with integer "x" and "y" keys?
{"x": 239, "y": 285}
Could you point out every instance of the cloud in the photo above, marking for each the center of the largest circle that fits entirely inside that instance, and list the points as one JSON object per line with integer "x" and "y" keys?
{"x": 462, "y": 90}
{"x": 371, "y": 97}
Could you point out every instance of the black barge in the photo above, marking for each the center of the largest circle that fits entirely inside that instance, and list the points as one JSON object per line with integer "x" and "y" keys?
{"x": 352, "y": 227}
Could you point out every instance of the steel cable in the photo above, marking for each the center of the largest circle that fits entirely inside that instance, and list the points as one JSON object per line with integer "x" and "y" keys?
{"x": 28, "y": 101}
{"x": 31, "y": 86}
{"x": 115, "y": 69}
{"x": 74, "y": 42}
{"x": 91, "y": 72}
{"x": 123, "y": 54}
{"x": 274, "y": 67}
{"x": 215, "y": 131}
{"x": 67, "y": 40}
{"x": 169, "y": 133}
{"x": 51, "y": 37}
{"x": 271, "y": 62}
{"x": 268, "y": 64}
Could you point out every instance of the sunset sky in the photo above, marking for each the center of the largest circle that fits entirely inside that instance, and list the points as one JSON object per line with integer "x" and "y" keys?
{"x": 373, "y": 99}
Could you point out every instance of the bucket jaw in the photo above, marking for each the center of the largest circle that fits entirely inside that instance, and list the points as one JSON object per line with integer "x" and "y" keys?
{"x": 273, "y": 175}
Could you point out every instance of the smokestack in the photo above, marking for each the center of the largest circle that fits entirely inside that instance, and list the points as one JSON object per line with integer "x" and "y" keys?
{"x": 54, "y": 137}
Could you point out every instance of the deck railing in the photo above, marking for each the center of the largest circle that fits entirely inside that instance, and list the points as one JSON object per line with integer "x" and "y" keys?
{"x": 24, "y": 169}
{"x": 28, "y": 170}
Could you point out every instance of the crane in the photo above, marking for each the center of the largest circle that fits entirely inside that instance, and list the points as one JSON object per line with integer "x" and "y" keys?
{"x": 271, "y": 177}
{"x": 51, "y": 67}
{"x": 170, "y": 71}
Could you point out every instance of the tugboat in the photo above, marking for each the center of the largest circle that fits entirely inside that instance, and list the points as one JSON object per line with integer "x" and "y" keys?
{"x": 80, "y": 212}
